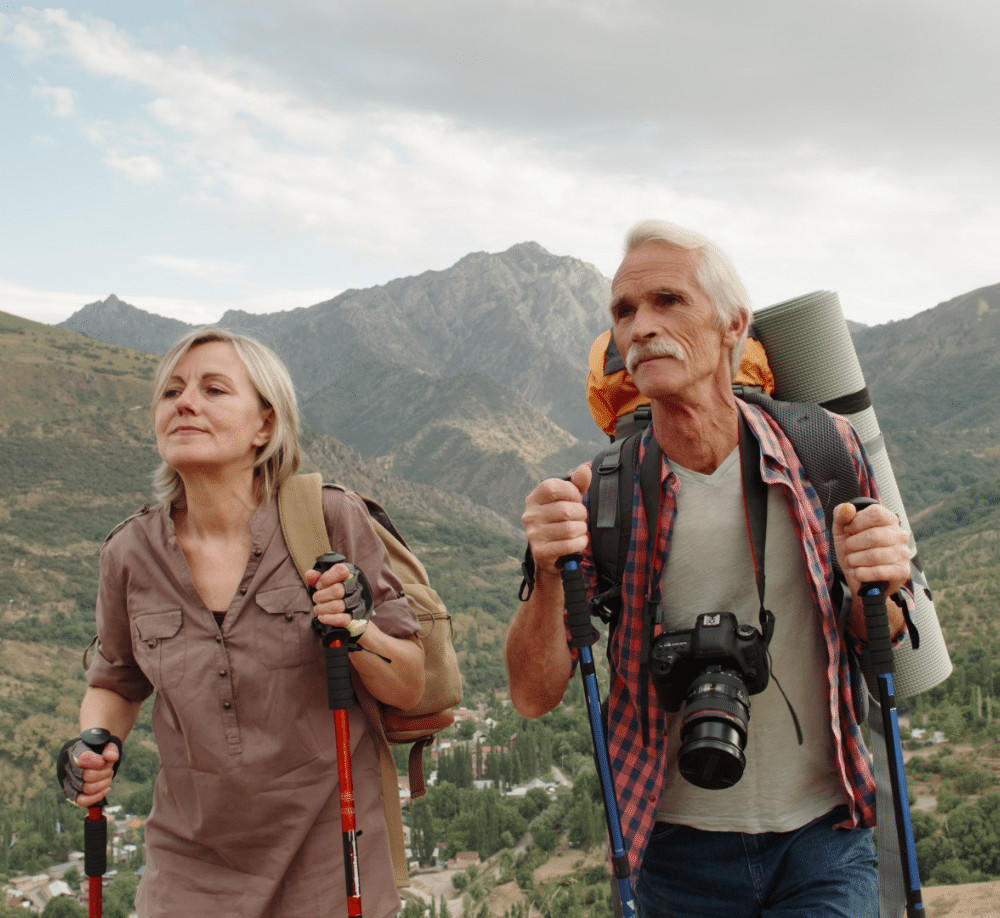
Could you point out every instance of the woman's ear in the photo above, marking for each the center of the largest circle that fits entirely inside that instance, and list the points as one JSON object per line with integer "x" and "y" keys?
{"x": 266, "y": 428}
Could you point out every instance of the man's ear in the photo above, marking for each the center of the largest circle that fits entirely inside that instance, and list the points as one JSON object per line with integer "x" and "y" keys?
{"x": 735, "y": 329}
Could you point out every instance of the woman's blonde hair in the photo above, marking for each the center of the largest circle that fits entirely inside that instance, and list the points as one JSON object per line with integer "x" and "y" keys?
{"x": 277, "y": 459}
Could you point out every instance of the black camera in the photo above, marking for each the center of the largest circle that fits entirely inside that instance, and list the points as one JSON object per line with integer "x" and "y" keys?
{"x": 712, "y": 670}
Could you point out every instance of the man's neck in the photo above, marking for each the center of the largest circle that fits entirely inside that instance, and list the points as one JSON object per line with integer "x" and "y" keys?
{"x": 697, "y": 436}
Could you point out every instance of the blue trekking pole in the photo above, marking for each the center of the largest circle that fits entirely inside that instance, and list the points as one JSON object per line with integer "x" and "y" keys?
{"x": 880, "y": 656}
{"x": 582, "y": 637}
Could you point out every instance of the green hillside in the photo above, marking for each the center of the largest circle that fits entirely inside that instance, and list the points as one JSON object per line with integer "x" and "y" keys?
{"x": 77, "y": 452}
{"x": 77, "y": 456}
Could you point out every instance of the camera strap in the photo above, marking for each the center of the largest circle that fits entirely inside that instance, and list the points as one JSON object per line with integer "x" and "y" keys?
{"x": 755, "y": 508}
{"x": 649, "y": 488}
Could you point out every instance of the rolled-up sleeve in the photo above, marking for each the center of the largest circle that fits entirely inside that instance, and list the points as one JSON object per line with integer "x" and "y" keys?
{"x": 113, "y": 665}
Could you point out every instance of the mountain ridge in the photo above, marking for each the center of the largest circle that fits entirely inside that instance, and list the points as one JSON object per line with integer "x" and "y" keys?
{"x": 384, "y": 370}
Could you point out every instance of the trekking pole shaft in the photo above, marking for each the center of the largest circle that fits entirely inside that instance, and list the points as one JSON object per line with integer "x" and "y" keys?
{"x": 873, "y": 597}
{"x": 338, "y": 687}
{"x": 582, "y": 638}
{"x": 348, "y": 816}
{"x": 339, "y": 696}
{"x": 95, "y": 835}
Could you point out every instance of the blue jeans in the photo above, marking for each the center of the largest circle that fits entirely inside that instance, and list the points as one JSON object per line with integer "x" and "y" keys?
{"x": 812, "y": 872}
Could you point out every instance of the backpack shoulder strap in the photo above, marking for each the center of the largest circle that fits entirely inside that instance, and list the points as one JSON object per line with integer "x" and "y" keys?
{"x": 300, "y": 507}
{"x": 610, "y": 520}
{"x": 817, "y": 442}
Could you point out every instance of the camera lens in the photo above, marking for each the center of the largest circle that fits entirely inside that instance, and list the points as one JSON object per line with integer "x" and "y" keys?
{"x": 714, "y": 730}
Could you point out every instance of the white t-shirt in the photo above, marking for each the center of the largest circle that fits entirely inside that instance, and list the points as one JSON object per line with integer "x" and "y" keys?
{"x": 710, "y": 569}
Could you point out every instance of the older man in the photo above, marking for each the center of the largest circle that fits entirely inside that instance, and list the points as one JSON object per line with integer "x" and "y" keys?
{"x": 792, "y": 836}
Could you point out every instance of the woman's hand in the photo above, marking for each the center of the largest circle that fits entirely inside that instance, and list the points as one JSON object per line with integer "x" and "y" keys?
{"x": 337, "y": 596}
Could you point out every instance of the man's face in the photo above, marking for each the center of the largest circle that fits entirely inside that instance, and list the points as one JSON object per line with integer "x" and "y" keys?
{"x": 664, "y": 324}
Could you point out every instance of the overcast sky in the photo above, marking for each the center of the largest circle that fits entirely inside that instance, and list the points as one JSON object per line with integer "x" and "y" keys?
{"x": 196, "y": 155}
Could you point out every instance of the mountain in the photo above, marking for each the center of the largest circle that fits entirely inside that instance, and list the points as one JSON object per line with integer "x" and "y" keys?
{"x": 468, "y": 379}
{"x": 115, "y": 322}
{"x": 932, "y": 382}
{"x": 930, "y": 369}
{"x": 471, "y": 379}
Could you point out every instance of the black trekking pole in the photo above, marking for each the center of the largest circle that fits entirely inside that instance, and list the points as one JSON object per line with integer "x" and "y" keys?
{"x": 880, "y": 656}
{"x": 582, "y": 638}
{"x": 95, "y": 834}
{"x": 338, "y": 643}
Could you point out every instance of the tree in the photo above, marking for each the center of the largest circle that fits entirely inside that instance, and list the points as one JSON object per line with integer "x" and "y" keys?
{"x": 586, "y": 823}
{"x": 63, "y": 907}
{"x": 423, "y": 830}
{"x": 119, "y": 896}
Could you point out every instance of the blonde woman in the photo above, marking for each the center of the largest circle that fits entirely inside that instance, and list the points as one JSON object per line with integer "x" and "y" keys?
{"x": 200, "y": 602}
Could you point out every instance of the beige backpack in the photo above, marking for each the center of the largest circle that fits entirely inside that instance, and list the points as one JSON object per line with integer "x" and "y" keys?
{"x": 302, "y": 523}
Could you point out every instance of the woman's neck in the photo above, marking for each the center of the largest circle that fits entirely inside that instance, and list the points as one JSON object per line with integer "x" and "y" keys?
{"x": 211, "y": 508}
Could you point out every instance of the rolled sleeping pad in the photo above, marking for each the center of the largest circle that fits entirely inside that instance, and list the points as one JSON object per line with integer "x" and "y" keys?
{"x": 813, "y": 359}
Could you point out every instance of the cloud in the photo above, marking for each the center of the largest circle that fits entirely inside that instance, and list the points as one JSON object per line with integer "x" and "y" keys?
{"x": 48, "y": 306}
{"x": 697, "y": 75}
{"x": 59, "y": 100}
{"x": 202, "y": 268}
{"x": 847, "y": 146}
{"x": 139, "y": 169}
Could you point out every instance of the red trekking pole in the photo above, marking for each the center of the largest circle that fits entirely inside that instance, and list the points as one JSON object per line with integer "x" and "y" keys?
{"x": 95, "y": 834}
{"x": 338, "y": 642}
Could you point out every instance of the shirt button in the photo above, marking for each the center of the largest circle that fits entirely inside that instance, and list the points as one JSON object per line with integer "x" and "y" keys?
{"x": 289, "y": 616}
{"x": 227, "y": 704}
{"x": 222, "y": 672}
{"x": 218, "y": 639}
{"x": 243, "y": 591}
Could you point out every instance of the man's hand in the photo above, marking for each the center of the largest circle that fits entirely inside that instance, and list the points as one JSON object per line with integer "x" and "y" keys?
{"x": 871, "y": 547}
{"x": 555, "y": 520}
{"x": 538, "y": 659}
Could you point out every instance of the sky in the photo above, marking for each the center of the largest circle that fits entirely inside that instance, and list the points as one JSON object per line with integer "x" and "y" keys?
{"x": 194, "y": 156}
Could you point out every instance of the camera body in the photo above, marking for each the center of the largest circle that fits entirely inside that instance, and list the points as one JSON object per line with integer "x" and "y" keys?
{"x": 711, "y": 670}
{"x": 716, "y": 640}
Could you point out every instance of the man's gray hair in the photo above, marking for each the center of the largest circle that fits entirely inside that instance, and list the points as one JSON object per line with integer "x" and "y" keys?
{"x": 714, "y": 272}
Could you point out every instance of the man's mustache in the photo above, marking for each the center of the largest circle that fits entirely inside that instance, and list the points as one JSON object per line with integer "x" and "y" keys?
{"x": 648, "y": 350}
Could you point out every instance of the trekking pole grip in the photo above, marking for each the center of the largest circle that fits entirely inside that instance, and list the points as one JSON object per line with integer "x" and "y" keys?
{"x": 335, "y": 644}
{"x": 95, "y": 826}
{"x": 577, "y": 610}
{"x": 873, "y": 599}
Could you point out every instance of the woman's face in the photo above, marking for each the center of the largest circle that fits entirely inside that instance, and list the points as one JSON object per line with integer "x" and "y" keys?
{"x": 210, "y": 416}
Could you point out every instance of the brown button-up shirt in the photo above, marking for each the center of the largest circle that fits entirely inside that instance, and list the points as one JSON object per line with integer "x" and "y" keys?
{"x": 246, "y": 810}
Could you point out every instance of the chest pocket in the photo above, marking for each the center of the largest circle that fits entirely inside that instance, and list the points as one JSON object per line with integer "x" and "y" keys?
{"x": 159, "y": 643}
{"x": 284, "y": 627}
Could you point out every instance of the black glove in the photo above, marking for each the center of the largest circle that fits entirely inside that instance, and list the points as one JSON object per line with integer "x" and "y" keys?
{"x": 68, "y": 771}
{"x": 359, "y": 601}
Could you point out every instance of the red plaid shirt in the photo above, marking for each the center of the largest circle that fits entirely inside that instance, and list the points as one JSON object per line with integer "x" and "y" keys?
{"x": 639, "y": 770}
